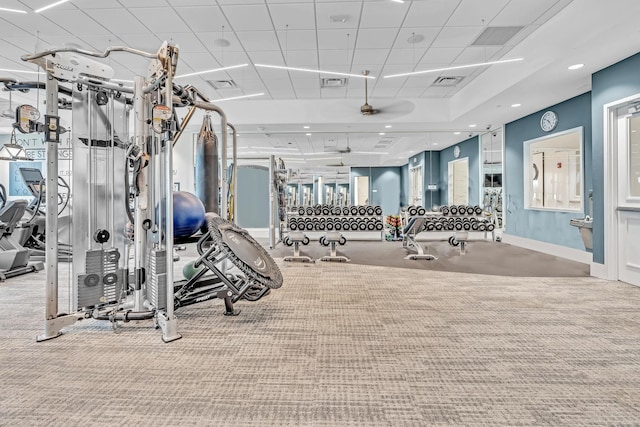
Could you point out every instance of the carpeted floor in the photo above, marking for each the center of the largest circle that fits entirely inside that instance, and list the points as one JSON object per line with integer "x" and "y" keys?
{"x": 339, "y": 345}
{"x": 481, "y": 257}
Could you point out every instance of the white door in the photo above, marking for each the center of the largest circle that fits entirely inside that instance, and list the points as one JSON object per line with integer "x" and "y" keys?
{"x": 628, "y": 206}
{"x": 459, "y": 182}
{"x": 416, "y": 178}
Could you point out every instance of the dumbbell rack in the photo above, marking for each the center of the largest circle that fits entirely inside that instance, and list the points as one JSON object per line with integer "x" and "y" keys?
{"x": 460, "y": 219}
{"x": 333, "y": 219}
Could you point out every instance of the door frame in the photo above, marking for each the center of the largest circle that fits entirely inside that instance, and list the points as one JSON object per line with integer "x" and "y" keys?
{"x": 610, "y": 163}
{"x": 451, "y": 178}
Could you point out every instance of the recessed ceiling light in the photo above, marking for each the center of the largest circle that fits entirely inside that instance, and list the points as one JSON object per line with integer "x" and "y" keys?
{"x": 576, "y": 66}
{"x": 4, "y": 9}
{"x": 388, "y": 126}
{"x": 472, "y": 126}
{"x": 435, "y": 143}
{"x": 308, "y": 134}
{"x": 335, "y": 19}
{"x": 49, "y": 6}
{"x": 398, "y": 1}
{"x": 516, "y": 105}
{"x": 415, "y": 38}
{"x": 456, "y": 133}
{"x": 381, "y": 133}
{"x": 457, "y": 67}
{"x": 306, "y": 127}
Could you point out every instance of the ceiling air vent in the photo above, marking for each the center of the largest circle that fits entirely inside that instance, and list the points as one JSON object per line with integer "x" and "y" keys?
{"x": 333, "y": 82}
{"x": 447, "y": 81}
{"x": 222, "y": 84}
{"x": 496, "y": 36}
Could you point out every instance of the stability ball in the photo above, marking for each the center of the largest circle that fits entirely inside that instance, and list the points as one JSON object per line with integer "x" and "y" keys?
{"x": 188, "y": 214}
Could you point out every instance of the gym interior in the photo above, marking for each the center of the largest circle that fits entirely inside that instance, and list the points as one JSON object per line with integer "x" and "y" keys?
{"x": 384, "y": 212}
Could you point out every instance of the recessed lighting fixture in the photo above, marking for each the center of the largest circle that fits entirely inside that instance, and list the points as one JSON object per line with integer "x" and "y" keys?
{"x": 49, "y": 6}
{"x": 306, "y": 127}
{"x": 221, "y": 43}
{"x": 381, "y": 133}
{"x": 197, "y": 73}
{"x": 415, "y": 38}
{"x": 335, "y": 19}
{"x": 238, "y": 97}
{"x": 20, "y": 71}
{"x": 398, "y": 1}
{"x": 456, "y": 133}
{"x": 516, "y": 105}
{"x": 472, "y": 126}
{"x": 388, "y": 126}
{"x": 308, "y": 134}
{"x": 308, "y": 70}
{"x": 435, "y": 143}
{"x": 458, "y": 67}
{"x": 4, "y": 9}
{"x": 576, "y": 66}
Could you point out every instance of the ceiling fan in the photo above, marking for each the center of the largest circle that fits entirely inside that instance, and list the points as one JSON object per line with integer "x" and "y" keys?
{"x": 394, "y": 109}
{"x": 339, "y": 164}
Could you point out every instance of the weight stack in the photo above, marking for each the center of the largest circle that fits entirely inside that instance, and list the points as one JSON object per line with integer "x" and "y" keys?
{"x": 102, "y": 281}
{"x": 157, "y": 279}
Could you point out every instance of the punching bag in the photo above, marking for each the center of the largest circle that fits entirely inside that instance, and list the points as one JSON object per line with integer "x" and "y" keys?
{"x": 206, "y": 181}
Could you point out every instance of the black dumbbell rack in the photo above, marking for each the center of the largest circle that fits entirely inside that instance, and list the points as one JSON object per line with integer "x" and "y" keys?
{"x": 325, "y": 218}
{"x": 453, "y": 218}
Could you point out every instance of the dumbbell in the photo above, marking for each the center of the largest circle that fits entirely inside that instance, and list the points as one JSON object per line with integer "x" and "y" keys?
{"x": 421, "y": 211}
{"x": 462, "y": 210}
{"x": 478, "y": 210}
{"x": 453, "y": 210}
{"x": 444, "y": 210}
{"x": 412, "y": 210}
{"x": 377, "y": 210}
{"x": 362, "y": 210}
{"x": 336, "y": 210}
{"x": 342, "y": 240}
{"x": 308, "y": 210}
{"x": 345, "y": 210}
{"x": 491, "y": 227}
{"x": 379, "y": 226}
{"x": 305, "y": 240}
{"x": 353, "y": 210}
{"x": 287, "y": 241}
{"x": 301, "y": 210}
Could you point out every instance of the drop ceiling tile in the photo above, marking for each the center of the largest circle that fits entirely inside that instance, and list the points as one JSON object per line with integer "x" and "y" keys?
{"x": 160, "y": 19}
{"x": 209, "y": 40}
{"x": 273, "y": 57}
{"x": 521, "y": 13}
{"x": 406, "y": 57}
{"x": 383, "y": 93}
{"x": 258, "y": 40}
{"x": 436, "y": 92}
{"x": 388, "y": 83}
{"x": 439, "y": 57}
{"x": 117, "y": 21}
{"x": 100, "y": 42}
{"x": 421, "y": 80}
{"x": 274, "y": 74}
{"x": 297, "y": 39}
{"x": 146, "y": 42}
{"x": 231, "y": 58}
{"x": 376, "y": 38}
{"x": 473, "y": 12}
{"x": 324, "y": 11}
{"x": 241, "y": 2}
{"x": 383, "y": 14}
{"x": 370, "y": 56}
{"x": 475, "y": 54}
{"x": 433, "y": 13}
{"x": 196, "y": 61}
{"x": 37, "y": 23}
{"x": 312, "y": 83}
{"x": 102, "y": 4}
{"x": 406, "y": 33}
{"x": 333, "y": 58}
{"x": 76, "y": 22}
{"x": 253, "y": 85}
{"x": 336, "y": 39}
{"x": 457, "y": 36}
{"x": 300, "y": 16}
{"x": 203, "y": 19}
{"x": 339, "y": 92}
{"x": 302, "y": 58}
{"x": 143, "y": 3}
{"x": 10, "y": 30}
{"x": 37, "y": 4}
{"x": 248, "y": 17}
{"x": 60, "y": 41}
{"x": 240, "y": 75}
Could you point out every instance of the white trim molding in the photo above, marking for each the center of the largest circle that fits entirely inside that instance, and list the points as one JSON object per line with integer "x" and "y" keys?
{"x": 549, "y": 248}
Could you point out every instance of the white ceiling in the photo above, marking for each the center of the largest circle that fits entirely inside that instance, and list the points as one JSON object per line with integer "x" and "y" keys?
{"x": 374, "y": 36}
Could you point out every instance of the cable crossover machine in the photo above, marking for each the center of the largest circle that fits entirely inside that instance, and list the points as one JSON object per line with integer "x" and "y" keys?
{"x": 122, "y": 197}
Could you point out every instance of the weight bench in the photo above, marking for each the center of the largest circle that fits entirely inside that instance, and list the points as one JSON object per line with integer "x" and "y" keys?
{"x": 295, "y": 238}
{"x": 332, "y": 238}
{"x": 409, "y": 233}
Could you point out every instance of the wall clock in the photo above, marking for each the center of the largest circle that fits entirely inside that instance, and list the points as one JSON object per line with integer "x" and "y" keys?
{"x": 549, "y": 121}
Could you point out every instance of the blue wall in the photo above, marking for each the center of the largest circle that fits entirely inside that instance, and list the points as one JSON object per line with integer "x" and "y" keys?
{"x": 253, "y": 197}
{"x": 384, "y": 186}
{"x": 469, "y": 148}
{"x": 618, "y": 81}
{"x": 547, "y": 226}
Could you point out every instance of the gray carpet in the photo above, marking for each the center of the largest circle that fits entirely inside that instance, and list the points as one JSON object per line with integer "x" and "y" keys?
{"x": 339, "y": 345}
{"x": 481, "y": 257}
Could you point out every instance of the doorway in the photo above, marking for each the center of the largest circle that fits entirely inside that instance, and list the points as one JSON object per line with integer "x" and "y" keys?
{"x": 416, "y": 178}
{"x": 458, "y": 191}
{"x": 361, "y": 190}
{"x": 622, "y": 203}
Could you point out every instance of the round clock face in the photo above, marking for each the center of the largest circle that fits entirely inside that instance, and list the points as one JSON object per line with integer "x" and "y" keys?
{"x": 549, "y": 121}
{"x": 456, "y": 151}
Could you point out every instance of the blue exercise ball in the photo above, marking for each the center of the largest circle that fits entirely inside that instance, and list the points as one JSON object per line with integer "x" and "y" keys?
{"x": 188, "y": 214}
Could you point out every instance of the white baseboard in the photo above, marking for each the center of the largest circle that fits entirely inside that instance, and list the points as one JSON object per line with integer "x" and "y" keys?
{"x": 600, "y": 271}
{"x": 549, "y": 248}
